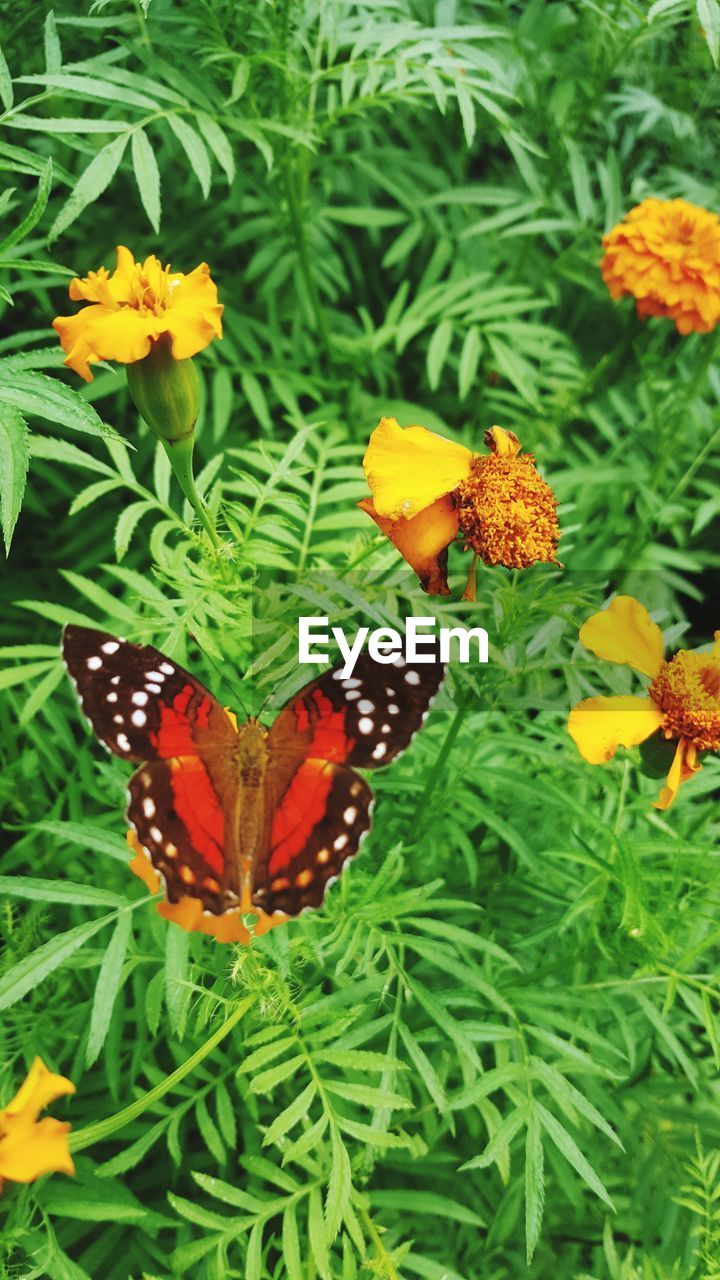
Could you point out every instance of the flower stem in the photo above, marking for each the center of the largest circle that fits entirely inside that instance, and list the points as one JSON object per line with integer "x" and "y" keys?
{"x": 103, "y": 1129}
{"x": 180, "y": 453}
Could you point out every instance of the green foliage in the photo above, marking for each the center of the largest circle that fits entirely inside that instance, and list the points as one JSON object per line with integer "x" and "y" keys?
{"x": 494, "y": 1051}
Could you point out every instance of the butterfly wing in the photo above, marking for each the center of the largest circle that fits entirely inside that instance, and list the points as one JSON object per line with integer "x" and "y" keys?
{"x": 145, "y": 707}
{"x": 318, "y": 807}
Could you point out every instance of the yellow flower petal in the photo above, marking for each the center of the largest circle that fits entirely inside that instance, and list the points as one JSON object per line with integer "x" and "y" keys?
{"x": 503, "y": 443}
{"x": 408, "y": 468}
{"x": 625, "y": 632}
{"x": 40, "y": 1088}
{"x": 684, "y": 765}
{"x": 598, "y": 726}
{"x": 423, "y": 540}
{"x": 104, "y": 333}
{"x": 29, "y": 1150}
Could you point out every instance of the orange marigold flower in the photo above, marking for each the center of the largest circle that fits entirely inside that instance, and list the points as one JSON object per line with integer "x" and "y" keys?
{"x": 133, "y": 308}
{"x": 682, "y": 702}
{"x": 666, "y": 254}
{"x": 189, "y": 913}
{"x": 30, "y": 1147}
{"x": 426, "y": 490}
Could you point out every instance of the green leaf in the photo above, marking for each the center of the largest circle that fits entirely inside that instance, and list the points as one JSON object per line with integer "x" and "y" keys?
{"x": 88, "y": 895}
{"x": 534, "y": 1185}
{"x": 339, "y": 1186}
{"x": 469, "y": 360}
{"x": 708, "y": 12}
{"x": 14, "y": 457}
{"x": 7, "y": 96}
{"x": 53, "y": 52}
{"x": 38, "y": 395}
{"x": 127, "y": 523}
{"x": 107, "y": 987}
{"x": 89, "y": 837}
{"x": 35, "y": 968}
{"x": 147, "y": 176}
{"x": 291, "y": 1245}
{"x": 291, "y": 1116}
{"x": 568, "y": 1147}
{"x": 177, "y": 950}
{"x": 437, "y": 352}
{"x": 217, "y": 141}
{"x": 91, "y": 184}
{"x": 35, "y": 213}
{"x": 195, "y": 151}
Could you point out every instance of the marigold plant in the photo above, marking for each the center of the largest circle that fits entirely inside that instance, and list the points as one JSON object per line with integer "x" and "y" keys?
{"x": 29, "y": 1146}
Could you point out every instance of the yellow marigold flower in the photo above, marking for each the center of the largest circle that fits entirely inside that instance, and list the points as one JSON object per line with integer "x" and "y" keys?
{"x": 133, "y": 308}
{"x": 682, "y": 702}
{"x": 666, "y": 254}
{"x": 188, "y": 912}
{"x": 30, "y": 1147}
{"x": 426, "y": 490}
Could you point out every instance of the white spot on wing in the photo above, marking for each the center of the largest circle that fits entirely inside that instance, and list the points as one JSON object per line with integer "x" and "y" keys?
{"x": 393, "y": 708}
{"x": 350, "y": 814}
{"x": 153, "y": 688}
{"x": 155, "y": 675}
{"x": 117, "y": 719}
{"x": 110, "y": 646}
{"x": 412, "y": 677}
{"x": 94, "y": 663}
{"x": 138, "y": 718}
{"x": 123, "y": 742}
{"x": 351, "y": 683}
{"x": 112, "y": 697}
{"x": 115, "y": 680}
{"x": 148, "y": 806}
{"x": 140, "y": 698}
{"x": 340, "y": 842}
{"x": 167, "y": 669}
{"x": 352, "y": 695}
{"x": 365, "y": 724}
{"x": 380, "y": 751}
{"x": 156, "y": 834}
{"x": 366, "y": 705}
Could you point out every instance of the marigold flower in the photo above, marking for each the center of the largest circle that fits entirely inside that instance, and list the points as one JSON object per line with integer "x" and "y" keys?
{"x": 136, "y": 306}
{"x": 188, "y": 912}
{"x": 426, "y": 490}
{"x": 682, "y": 702}
{"x": 666, "y": 254}
{"x": 30, "y": 1147}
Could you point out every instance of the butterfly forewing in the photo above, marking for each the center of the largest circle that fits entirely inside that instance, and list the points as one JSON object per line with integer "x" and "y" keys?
{"x": 141, "y": 705}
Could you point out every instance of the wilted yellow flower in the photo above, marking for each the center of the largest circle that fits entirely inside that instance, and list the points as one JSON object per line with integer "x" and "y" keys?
{"x": 133, "y": 308}
{"x": 30, "y": 1147}
{"x": 426, "y": 490}
{"x": 682, "y": 702}
{"x": 666, "y": 254}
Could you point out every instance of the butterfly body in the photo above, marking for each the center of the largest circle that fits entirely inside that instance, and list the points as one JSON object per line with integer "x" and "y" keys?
{"x": 245, "y": 816}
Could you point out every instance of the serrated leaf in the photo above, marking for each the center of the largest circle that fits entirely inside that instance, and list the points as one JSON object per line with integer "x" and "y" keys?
{"x": 107, "y": 987}
{"x": 437, "y": 352}
{"x": 339, "y": 1186}
{"x": 534, "y": 1185}
{"x": 38, "y": 395}
{"x": 708, "y": 12}
{"x": 147, "y": 176}
{"x": 7, "y": 96}
{"x": 218, "y": 143}
{"x": 568, "y": 1147}
{"x": 28, "y": 973}
{"x": 195, "y": 150}
{"x": 36, "y": 211}
{"x": 53, "y": 52}
{"x": 127, "y": 523}
{"x": 91, "y": 184}
{"x": 291, "y": 1116}
{"x": 14, "y": 459}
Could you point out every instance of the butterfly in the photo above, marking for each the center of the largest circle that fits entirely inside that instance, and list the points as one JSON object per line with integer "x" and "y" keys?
{"x": 248, "y": 817}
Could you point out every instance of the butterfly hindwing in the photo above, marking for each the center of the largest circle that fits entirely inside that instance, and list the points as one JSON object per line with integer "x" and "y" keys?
{"x": 141, "y": 705}
{"x": 317, "y": 826}
{"x": 180, "y": 822}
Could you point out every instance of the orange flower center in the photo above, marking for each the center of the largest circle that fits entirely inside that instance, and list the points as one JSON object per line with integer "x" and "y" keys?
{"x": 687, "y": 690}
{"x": 507, "y": 513}
{"x": 148, "y": 294}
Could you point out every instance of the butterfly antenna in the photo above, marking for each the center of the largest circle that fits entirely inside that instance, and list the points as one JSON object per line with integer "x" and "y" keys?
{"x": 227, "y": 679}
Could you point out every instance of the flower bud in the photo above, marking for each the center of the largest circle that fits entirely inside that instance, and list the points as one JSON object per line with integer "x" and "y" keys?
{"x": 166, "y": 392}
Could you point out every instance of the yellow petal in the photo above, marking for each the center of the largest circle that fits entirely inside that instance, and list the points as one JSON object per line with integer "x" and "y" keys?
{"x": 193, "y": 315}
{"x": 598, "y": 726}
{"x": 625, "y": 632}
{"x": 40, "y": 1088}
{"x": 105, "y": 333}
{"x": 29, "y": 1150}
{"x": 407, "y": 468}
{"x": 684, "y": 765}
{"x": 423, "y": 540}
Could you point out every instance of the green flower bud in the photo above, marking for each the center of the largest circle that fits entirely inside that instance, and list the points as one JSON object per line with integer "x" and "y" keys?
{"x": 166, "y": 392}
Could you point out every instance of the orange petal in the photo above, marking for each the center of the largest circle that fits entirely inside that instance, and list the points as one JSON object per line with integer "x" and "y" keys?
{"x": 504, "y": 443}
{"x": 598, "y": 726}
{"x": 684, "y": 765}
{"x": 423, "y": 540}
{"x": 193, "y": 315}
{"x": 407, "y": 468}
{"x": 29, "y": 1150}
{"x": 40, "y": 1088}
{"x": 625, "y": 632}
{"x": 105, "y": 333}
